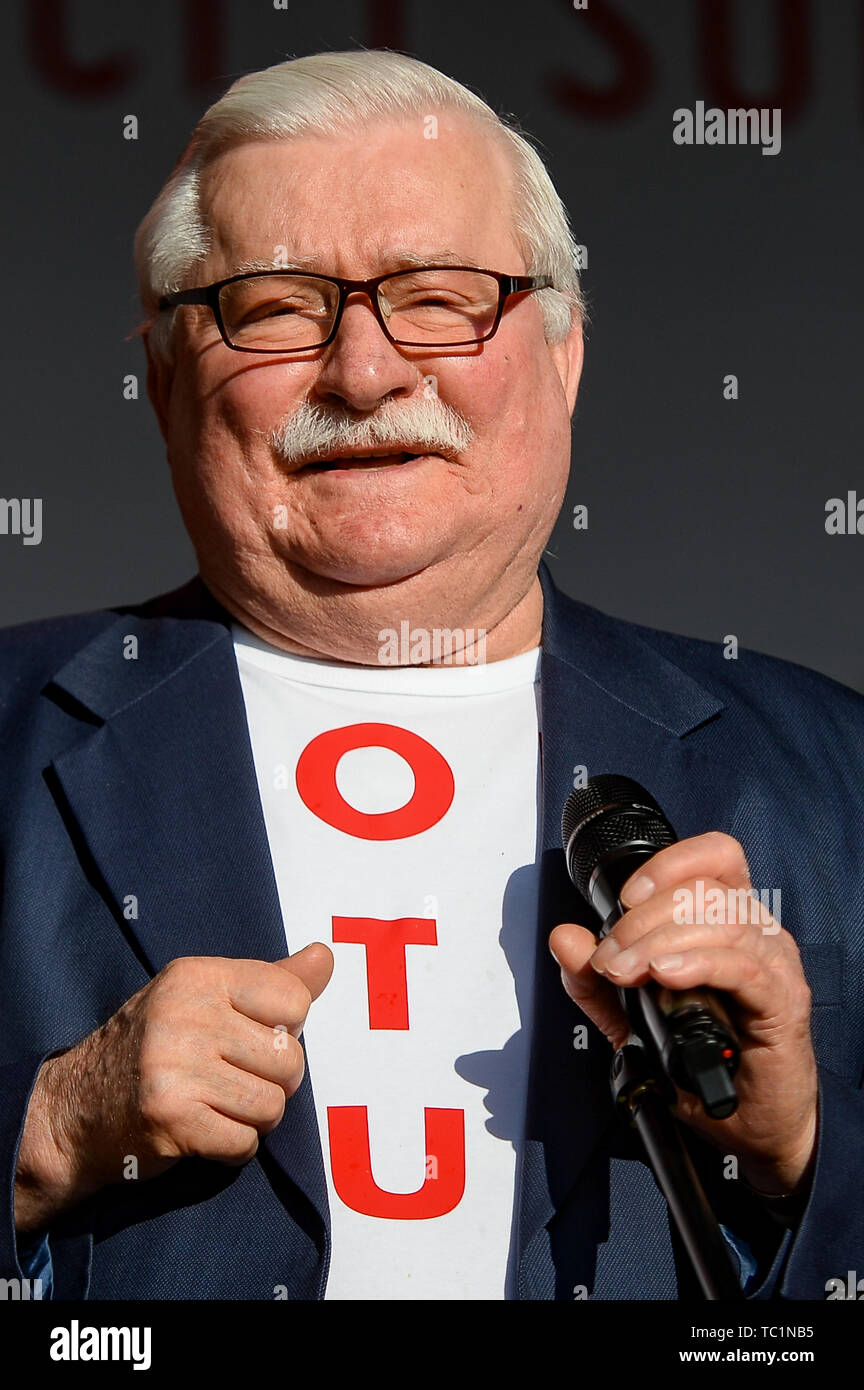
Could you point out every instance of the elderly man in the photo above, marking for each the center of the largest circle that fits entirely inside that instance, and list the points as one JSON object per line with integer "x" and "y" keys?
{"x": 306, "y": 793}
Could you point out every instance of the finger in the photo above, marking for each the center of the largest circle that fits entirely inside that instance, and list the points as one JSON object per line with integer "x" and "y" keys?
{"x": 209, "y": 1134}
{"x": 572, "y": 947}
{"x": 760, "y": 991}
{"x": 274, "y": 1054}
{"x": 713, "y": 855}
{"x": 313, "y": 965}
{"x": 625, "y": 965}
{"x": 268, "y": 993}
{"x": 245, "y": 1098}
{"x": 280, "y": 993}
{"x": 731, "y": 916}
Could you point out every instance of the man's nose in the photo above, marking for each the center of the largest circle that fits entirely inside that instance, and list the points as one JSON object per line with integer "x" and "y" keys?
{"x": 361, "y": 366}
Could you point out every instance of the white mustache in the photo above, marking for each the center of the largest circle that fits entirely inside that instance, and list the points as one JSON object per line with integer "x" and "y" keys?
{"x": 426, "y": 425}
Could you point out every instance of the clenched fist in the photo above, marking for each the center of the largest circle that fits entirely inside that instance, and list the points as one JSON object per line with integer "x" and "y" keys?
{"x": 199, "y": 1062}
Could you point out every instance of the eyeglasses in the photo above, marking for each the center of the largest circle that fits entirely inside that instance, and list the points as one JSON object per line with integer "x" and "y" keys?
{"x": 285, "y": 311}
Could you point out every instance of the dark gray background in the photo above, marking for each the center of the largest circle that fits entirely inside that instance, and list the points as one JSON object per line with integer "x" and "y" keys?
{"x": 706, "y": 516}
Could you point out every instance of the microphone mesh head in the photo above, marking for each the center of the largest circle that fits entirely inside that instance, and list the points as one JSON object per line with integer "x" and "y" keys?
{"x": 608, "y": 812}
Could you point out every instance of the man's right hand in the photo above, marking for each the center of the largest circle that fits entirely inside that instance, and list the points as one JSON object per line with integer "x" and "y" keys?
{"x": 200, "y": 1062}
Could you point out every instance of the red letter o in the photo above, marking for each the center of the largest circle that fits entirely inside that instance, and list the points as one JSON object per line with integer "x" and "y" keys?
{"x": 433, "y": 782}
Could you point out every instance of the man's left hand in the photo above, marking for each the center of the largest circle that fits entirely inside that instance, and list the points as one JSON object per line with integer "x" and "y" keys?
{"x": 756, "y": 963}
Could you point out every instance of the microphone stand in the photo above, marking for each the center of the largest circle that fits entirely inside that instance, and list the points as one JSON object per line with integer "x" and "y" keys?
{"x": 641, "y": 1089}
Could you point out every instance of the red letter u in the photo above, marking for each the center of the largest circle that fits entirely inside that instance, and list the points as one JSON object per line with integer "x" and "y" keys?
{"x": 351, "y": 1163}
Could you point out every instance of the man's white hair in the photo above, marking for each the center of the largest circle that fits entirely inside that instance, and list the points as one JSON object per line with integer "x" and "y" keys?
{"x": 326, "y": 94}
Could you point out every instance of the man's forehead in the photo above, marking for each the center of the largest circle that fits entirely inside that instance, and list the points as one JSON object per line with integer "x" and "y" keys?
{"x": 444, "y": 202}
{"x": 398, "y": 259}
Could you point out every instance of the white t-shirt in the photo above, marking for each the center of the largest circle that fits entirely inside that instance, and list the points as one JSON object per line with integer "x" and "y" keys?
{"x": 401, "y": 807}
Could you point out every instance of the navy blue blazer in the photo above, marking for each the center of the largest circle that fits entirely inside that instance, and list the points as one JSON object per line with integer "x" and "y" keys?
{"x": 135, "y": 777}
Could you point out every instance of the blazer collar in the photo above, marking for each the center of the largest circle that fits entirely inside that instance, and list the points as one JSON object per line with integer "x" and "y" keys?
{"x": 610, "y": 655}
{"x": 604, "y": 651}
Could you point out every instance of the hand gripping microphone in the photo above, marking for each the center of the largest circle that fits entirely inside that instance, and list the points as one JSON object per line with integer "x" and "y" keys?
{"x": 609, "y": 828}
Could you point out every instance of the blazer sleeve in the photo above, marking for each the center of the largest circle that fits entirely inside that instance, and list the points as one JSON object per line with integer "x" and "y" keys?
{"x": 826, "y": 1238}
{"x": 828, "y": 1241}
{"x": 70, "y": 1256}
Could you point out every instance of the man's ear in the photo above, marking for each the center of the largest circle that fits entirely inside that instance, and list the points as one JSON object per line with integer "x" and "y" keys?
{"x": 568, "y": 356}
{"x": 160, "y": 376}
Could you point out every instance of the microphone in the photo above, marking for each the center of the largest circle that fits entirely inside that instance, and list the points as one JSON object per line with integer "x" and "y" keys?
{"x": 609, "y": 828}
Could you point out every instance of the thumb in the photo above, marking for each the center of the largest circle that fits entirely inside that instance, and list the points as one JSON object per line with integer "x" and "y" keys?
{"x": 572, "y": 948}
{"x": 313, "y": 965}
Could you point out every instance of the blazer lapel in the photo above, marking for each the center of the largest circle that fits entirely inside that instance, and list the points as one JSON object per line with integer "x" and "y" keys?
{"x": 160, "y": 785}
{"x": 609, "y": 703}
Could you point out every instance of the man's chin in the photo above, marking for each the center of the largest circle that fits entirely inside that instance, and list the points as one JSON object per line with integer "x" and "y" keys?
{"x": 359, "y": 572}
